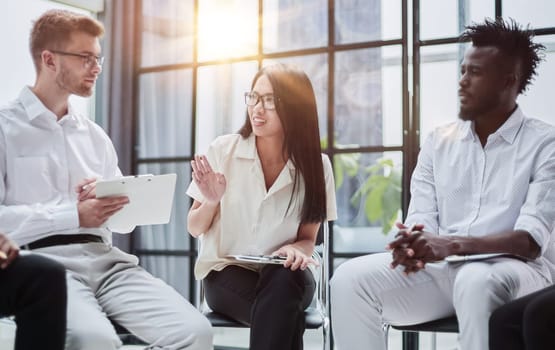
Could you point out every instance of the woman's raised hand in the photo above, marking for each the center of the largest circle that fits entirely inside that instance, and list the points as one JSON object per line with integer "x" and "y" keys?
{"x": 211, "y": 185}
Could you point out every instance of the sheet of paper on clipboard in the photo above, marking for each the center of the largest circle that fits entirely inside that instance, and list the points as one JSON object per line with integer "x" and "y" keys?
{"x": 150, "y": 200}
{"x": 259, "y": 259}
{"x": 487, "y": 256}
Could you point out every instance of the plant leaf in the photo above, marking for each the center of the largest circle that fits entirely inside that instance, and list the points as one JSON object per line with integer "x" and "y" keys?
{"x": 373, "y": 204}
{"x": 338, "y": 173}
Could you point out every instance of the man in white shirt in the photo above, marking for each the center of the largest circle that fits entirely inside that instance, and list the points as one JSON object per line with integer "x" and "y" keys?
{"x": 49, "y": 158}
{"x": 483, "y": 184}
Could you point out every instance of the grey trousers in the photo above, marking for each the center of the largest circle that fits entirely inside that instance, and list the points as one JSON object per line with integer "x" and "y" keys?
{"x": 366, "y": 295}
{"x": 105, "y": 282}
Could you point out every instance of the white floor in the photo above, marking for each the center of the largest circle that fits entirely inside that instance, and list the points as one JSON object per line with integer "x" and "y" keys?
{"x": 239, "y": 338}
{"x": 313, "y": 339}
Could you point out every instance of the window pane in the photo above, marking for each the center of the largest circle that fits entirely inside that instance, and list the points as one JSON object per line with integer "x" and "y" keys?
{"x": 537, "y": 13}
{"x": 363, "y": 20}
{"x": 537, "y": 101}
{"x": 167, "y": 32}
{"x": 368, "y": 200}
{"x": 227, "y": 28}
{"x": 439, "y": 102}
{"x": 447, "y": 18}
{"x": 172, "y": 269}
{"x": 368, "y": 98}
{"x": 292, "y": 24}
{"x": 173, "y": 235}
{"x": 316, "y": 67}
{"x": 221, "y": 105}
{"x": 165, "y": 114}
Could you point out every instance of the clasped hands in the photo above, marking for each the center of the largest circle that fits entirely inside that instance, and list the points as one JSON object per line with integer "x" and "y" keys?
{"x": 413, "y": 248}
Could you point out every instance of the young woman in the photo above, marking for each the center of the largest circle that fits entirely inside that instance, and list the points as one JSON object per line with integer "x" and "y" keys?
{"x": 264, "y": 191}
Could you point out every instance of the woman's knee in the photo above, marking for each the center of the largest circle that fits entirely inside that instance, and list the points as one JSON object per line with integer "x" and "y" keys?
{"x": 498, "y": 321}
{"x": 540, "y": 313}
{"x": 284, "y": 281}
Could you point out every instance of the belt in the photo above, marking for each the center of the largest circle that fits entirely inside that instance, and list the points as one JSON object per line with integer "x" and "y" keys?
{"x": 63, "y": 240}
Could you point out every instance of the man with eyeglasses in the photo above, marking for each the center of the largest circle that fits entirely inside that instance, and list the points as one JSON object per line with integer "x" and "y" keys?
{"x": 49, "y": 159}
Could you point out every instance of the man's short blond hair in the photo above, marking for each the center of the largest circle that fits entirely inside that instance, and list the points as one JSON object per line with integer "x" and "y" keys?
{"x": 54, "y": 28}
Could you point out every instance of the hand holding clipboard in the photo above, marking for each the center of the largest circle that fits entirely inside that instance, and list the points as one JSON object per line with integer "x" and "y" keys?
{"x": 259, "y": 259}
{"x": 150, "y": 200}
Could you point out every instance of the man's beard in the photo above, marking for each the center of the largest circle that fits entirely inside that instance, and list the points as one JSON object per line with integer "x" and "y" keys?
{"x": 64, "y": 81}
{"x": 467, "y": 114}
{"x": 481, "y": 107}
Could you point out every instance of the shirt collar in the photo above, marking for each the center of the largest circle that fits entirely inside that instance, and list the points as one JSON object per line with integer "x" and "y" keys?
{"x": 466, "y": 130}
{"x": 70, "y": 119}
{"x": 508, "y": 131}
{"x": 37, "y": 112}
{"x": 510, "y": 128}
{"x": 246, "y": 148}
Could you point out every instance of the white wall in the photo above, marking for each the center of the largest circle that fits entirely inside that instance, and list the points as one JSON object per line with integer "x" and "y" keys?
{"x": 16, "y": 68}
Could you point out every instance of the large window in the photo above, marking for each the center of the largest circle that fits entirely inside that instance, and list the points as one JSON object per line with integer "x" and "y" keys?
{"x": 195, "y": 68}
{"x": 383, "y": 80}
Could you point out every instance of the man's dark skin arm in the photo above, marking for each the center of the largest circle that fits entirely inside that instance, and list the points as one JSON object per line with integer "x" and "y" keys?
{"x": 414, "y": 249}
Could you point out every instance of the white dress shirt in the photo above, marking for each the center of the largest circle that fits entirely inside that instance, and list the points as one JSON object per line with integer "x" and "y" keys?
{"x": 251, "y": 219}
{"x": 461, "y": 188}
{"x": 41, "y": 161}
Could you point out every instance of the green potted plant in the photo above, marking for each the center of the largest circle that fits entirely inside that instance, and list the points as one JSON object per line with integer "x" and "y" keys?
{"x": 381, "y": 193}
{"x": 380, "y": 188}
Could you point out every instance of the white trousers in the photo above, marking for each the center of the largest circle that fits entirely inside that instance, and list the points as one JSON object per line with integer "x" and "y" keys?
{"x": 105, "y": 282}
{"x": 367, "y": 294}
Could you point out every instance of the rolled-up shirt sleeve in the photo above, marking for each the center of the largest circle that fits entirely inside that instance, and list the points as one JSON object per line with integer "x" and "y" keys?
{"x": 537, "y": 215}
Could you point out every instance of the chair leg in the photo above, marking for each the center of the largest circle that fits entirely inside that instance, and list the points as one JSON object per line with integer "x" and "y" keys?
{"x": 326, "y": 334}
{"x": 410, "y": 341}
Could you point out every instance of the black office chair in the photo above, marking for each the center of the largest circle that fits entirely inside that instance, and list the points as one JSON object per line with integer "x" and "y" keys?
{"x": 316, "y": 315}
{"x": 444, "y": 325}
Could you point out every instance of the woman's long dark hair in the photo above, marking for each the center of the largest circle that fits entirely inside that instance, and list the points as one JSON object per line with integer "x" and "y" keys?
{"x": 296, "y": 107}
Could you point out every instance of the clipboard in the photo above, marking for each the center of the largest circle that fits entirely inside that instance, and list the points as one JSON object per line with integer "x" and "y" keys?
{"x": 259, "y": 259}
{"x": 478, "y": 257}
{"x": 150, "y": 200}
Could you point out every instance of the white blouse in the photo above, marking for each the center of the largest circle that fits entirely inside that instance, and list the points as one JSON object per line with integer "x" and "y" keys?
{"x": 251, "y": 219}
